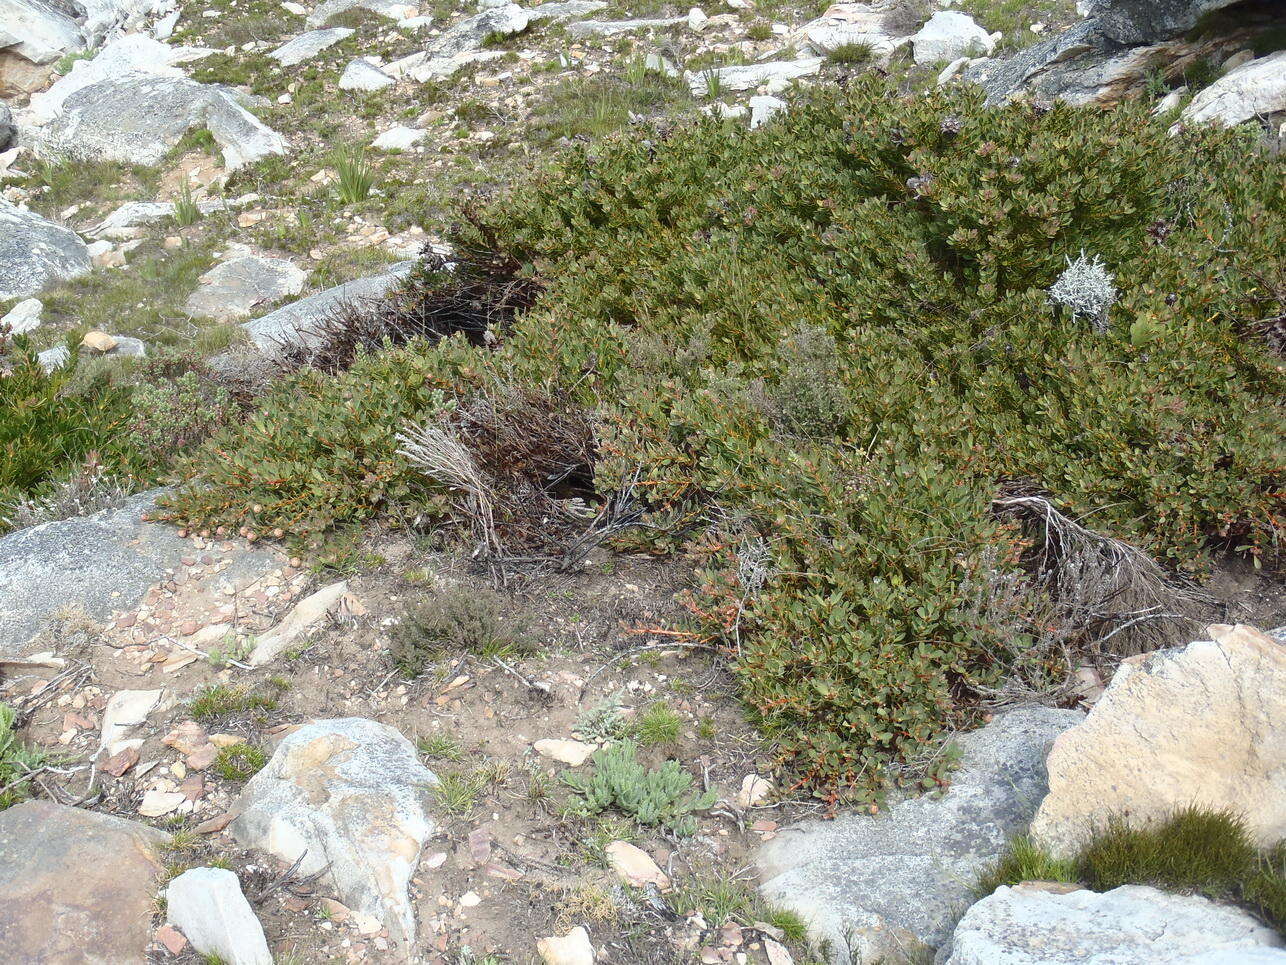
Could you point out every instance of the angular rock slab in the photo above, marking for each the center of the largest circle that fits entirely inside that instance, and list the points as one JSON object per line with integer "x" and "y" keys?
{"x": 134, "y": 53}
{"x": 77, "y": 886}
{"x": 1046, "y": 924}
{"x": 950, "y": 34}
{"x": 350, "y": 794}
{"x": 101, "y": 563}
{"x": 894, "y": 884}
{"x": 207, "y": 905}
{"x": 36, "y": 253}
{"x": 1203, "y": 724}
{"x": 363, "y": 75}
{"x": 776, "y": 75}
{"x": 232, "y": 289}
{"x": 139, "y": 118}
{"x": 296, "y": 326}
{"x": 1255, "y": 89}
{"x": 33, "y": 35}
{"x": 308, "y": 45}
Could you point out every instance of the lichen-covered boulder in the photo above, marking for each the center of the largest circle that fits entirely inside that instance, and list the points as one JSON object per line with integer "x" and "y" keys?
{"x": 36, "y": 253}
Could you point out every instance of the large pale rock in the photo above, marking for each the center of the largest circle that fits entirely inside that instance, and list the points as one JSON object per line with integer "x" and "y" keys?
{"x": 1042, "y": 924}
{"x": 139, "y": 118}
{"x": 33, "y": 36}
{"x": 350, "y": 796}
{"x": 98, "y": 563}
{"x": 207, "y": 905}
{"x": 1203, "y": 724}
{"x": 36, "y": 253}
{"x": 23, "y": 317}
{"x": 308, "y": 45}
{"x": 423, "y": 66}
{"x": 775, "y": 75}
{"x": 881, "y": 28}
{"x": 461, "y": 44}
{"x": 132, "y": 54}
{"x": 949, "y": 35}
{"x": 296, "y": 326}
{"x": 232, "y": 289}
{"x": 363, "y": 75}
{"x": 880, "y": 887}
{"x": 76, "y": 886}
{"x": 1255, "y": 89}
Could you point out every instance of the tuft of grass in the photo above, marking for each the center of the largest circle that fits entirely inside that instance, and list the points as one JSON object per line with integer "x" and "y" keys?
{"x": 458, "y": 793}
{"x": 186, "y": 212}
{"x": 1024, "y": 861}
{"x": 240, "y": 762}
{"x": 16, "y": 759}
{"x": 850, "y": 54}
{"x": 355, "y": 174}
{"x": 439, "y": 747}
{"x": 218, "y": 701}
{"x": 659, "y": 724}
{"x": 1195, "y": 851}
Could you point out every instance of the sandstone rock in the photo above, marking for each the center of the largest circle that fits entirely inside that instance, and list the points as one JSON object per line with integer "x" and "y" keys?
{"x": 574, "y": 948}
{"x": 393, "y": 9}
{"x": 565, "y": 10}
{"x": 139, "y": 117}
{"x": 635, "y": 866}
{"x": 308, "y": 45}
{"x": 894, "y": 884}
{"x": 99, "y": 342}
{"x": 100, "y": 563}
{"x": 233, "y": 288}
{"x": 569, "y": 752}
{"x": 207, "y": 905}
{"x": 35, "y": 253}
{"x": 23, "y": 317}
{"x": 307, "y": 613}
{"x": 1035, "y": 924}
{"x": 763, "y": 107}
{"x": 132, "y": 54}
{"x": 350, "y": 794}
{"x": 881, "y": 28}
{"x": 126, "y": 709}
{"x": 295, "y": 325}
{"x": 1256, "y": 88}
{"x": 129, "y": 220}
{"x": 948, "y": 35}
{"x": 399, "y": 139}
{"x": 610, "y": 28}
{"x": 775, "y": 75}
{"x": 362, "y": 75}
{"x": 78, "y": 886}
{"x": 1203, "y": 724}
{"x": 33, "y": 36}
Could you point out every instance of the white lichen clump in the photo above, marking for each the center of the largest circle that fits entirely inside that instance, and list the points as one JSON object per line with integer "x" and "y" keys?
{"x": 1085, "y": 287}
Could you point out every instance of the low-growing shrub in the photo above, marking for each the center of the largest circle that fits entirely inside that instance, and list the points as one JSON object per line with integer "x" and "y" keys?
{"x": 461, "y": 619}
{"x": 660, "y": 796}
{"x": 692, "y": 283}
{"x": 16, "y": 760}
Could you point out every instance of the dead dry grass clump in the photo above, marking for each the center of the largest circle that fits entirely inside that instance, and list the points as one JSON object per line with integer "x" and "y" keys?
{"x": 476, "y": 294}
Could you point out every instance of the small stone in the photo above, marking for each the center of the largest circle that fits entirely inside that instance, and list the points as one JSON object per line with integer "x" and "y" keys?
{"x": 573, "y": 753}
{"x": 634, "y": 866}
{"x": 158, "y": 803}
{"x": 99, "y": 342}
{"x": 754, "y": 789}
{"x": 574, "y": 948}
{"x": 171, "y": 938}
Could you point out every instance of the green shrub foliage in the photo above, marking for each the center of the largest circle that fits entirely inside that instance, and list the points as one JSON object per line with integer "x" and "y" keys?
{"x": 836, "y": 329}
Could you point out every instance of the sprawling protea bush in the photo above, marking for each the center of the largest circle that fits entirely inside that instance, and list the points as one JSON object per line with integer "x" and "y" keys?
{"x": 833, "y": 337}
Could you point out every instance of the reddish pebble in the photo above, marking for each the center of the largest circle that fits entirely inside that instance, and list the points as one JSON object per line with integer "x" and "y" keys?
{"x": 188, "y": 627}
{"x": 126, "y": 621}
{"x": 171, "y": 938}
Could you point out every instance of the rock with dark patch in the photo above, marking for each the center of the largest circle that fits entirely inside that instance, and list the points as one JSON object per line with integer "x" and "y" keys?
{"x": 138, "y": 118}
{"x": 347, "y": 799}
{"x": 297, "y": 325}
{"x": 76, "y": 886}
{"x": 7, "y": 131}
{"x": 880, "y": 887}
{"x": 100, "y": 563}
{"x": 1145, "y": 21}
{"x": 36, "y": 253}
